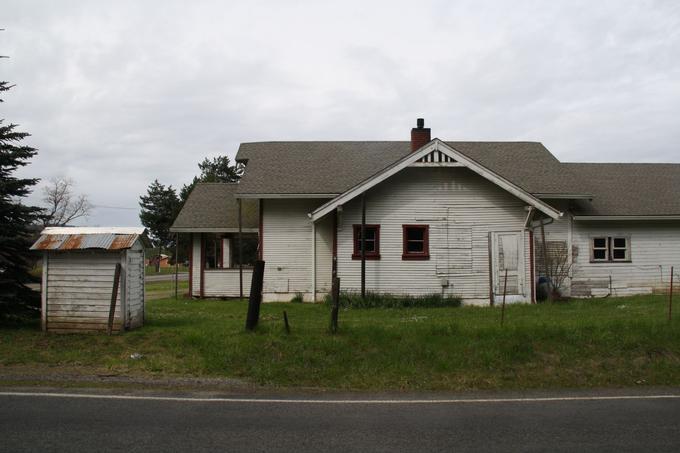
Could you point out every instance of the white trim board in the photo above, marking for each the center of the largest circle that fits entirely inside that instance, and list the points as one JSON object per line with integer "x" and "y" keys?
{"x": 434, "y": 145}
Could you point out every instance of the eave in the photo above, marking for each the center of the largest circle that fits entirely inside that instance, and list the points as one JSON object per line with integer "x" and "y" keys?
{"x": 625, "y": 217}
{"x": 211, "y": 230}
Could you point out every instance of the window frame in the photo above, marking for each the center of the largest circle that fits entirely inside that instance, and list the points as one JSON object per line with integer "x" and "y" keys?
{"x": 626, "y": 249}
{"x": 356, "y": 237}
{"x": 409, "y": 255}
{"x": 609, "y": 249}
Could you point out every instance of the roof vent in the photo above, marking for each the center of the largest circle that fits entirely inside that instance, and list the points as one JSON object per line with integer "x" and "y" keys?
{"x": 420, "y": 135}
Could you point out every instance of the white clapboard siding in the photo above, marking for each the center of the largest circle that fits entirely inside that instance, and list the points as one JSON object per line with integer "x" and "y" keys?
{"x": 655, "y": 247}
{"x": 195, "y": 265}
{"x": 452, "y": 201}
{"x": 324, "y": 254}
{"x": 74, "y": 303}
{"x": 225, "y": 282}
{"x": 287, "y": 249}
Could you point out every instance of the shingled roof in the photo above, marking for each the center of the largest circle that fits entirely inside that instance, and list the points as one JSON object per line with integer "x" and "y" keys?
{"x": 628, "y": 189}
{"x": 327, "y": 169}
{"x": 212, "y": 207}
{"x": 331, "y": 168}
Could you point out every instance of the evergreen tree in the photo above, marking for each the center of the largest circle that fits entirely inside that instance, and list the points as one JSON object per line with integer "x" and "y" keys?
{"x": 15, "y": 221}
{"x": 159, "y": 206}
{"x": 217, "y": 169}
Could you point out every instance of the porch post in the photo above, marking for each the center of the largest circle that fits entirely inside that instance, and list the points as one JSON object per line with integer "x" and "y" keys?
{"x": 176, "y": 263}
{"x": 363, "y": 245}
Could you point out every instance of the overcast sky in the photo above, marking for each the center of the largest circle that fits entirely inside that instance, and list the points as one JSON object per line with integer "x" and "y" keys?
{"x": 118, "y": 93}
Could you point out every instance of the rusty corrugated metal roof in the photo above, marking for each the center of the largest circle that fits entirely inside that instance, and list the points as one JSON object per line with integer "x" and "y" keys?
{"x": 88, "y": 238}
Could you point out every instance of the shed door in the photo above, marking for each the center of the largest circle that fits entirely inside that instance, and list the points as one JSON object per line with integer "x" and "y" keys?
{"x": 507, "y": 256}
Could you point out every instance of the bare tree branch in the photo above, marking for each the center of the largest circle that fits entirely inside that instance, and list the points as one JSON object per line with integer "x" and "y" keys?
{"x": 60, "y": 205}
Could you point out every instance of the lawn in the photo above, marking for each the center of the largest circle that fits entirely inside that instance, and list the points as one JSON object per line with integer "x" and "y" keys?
{"x": 590, "y": 343}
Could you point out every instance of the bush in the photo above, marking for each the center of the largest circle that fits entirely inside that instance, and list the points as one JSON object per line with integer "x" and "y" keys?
{"x": 298, "y": 298}
{"x": 387, "y": 300}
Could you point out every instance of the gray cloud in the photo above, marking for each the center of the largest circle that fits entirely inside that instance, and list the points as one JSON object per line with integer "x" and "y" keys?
{"x": 116, "y": 94}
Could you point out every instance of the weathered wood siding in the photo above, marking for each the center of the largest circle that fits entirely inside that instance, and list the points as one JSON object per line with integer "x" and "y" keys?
{"x": 134, "y": 286}
{"x": 287, "y": 234}
{"x": 655, "y": 247}
{"x": 79, "y": 288}
{"x": 225, "y": 282}
{"x": 461, "y": 209}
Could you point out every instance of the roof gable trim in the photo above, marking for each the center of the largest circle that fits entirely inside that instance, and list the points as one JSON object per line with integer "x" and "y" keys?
{"x": 435, "y": 145}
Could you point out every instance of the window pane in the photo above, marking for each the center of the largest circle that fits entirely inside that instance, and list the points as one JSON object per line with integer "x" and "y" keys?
{"x": 370, "y": 233}
{"x": 620, "y": 242}
{"x": 415, "y": 246}
{"x": 600, "y": 242}
{"x": 249, "y": 250}
{"x": 415, "y": 234}
{"x": 370, "y": 246}
{"x": 599, "y": 254}
{"x": 619, "y": 254}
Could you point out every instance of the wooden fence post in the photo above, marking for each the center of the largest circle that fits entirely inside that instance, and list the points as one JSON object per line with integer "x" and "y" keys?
{"x": 335, "y": 295}
{"x": 285, "y": 322}
{"x": 505, "y": 287}
{"x": 255, "y": 296}
{"x": 114, "y": 296}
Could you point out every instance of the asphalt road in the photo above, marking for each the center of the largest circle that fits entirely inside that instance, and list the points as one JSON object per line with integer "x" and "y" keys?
{"x": 45, "y": 423}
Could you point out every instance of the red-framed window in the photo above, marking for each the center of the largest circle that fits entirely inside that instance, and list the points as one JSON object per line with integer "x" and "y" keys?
{"x": 372, "y": 242}
{"x": 416, "y": 242}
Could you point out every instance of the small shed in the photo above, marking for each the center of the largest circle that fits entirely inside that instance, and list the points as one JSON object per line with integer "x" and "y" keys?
{"x": 78, "y": 272}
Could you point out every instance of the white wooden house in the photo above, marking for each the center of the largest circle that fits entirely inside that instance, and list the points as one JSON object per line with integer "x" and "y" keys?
{"x": 78, "y": 267}
{"x": 453, "y": 218}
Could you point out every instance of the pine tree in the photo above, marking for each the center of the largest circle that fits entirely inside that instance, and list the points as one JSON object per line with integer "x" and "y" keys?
{"x": 159, "y": 206}
{"x": 15, "y": 220}
{"x": 219, "y": 169}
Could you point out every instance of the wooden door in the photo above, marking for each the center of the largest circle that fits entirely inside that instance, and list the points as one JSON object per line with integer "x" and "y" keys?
{"x": 508, "y": 255}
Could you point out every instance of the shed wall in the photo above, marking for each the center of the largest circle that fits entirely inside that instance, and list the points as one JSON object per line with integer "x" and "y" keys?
{"x": 79, "y": 286}
{"x": 134, "y": 286}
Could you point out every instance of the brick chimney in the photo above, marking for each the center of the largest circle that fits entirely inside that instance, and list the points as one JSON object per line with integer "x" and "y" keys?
{"x": 420, "y": 135}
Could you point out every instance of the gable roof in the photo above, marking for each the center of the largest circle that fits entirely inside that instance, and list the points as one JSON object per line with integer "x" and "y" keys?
{"x": 627, "y": 189}
{"x": 331, "y": 168}
{"x": 212, "y": 207}
{"x": 440, "y": 148}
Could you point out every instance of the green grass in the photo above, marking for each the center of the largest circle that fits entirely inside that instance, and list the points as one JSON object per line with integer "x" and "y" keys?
{"x": 385, "y": 300}
{"x": 590, "y": 343}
